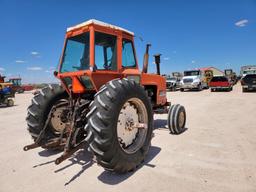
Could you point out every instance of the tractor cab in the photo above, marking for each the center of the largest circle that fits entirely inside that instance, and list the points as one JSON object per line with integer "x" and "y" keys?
{"x": 15, "y": 81}
{"x": 95, "y": 53}
{"x": 16, "y": 85}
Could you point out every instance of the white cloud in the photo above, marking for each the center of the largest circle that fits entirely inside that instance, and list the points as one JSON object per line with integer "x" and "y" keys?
{"x": 34, "y": 53}
{"x": 20, "y": 61}
{"x": 242, "y": 23}
{"x": 34, "y": 68}
{"x": 166, "y": 58}
{"x": 2, "y": 69}
{"x": 193, "y": 61}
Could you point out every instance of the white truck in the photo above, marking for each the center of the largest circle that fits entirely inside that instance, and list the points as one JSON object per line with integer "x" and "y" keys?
{"x": 193, "y": 79}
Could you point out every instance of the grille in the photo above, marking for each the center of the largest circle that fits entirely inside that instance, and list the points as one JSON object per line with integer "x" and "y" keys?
{"x": 187, "y": 80}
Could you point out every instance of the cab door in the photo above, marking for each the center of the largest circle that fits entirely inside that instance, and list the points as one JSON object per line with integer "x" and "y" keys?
{"x": 105, "y": 59}
{"x": 129, "y": 63}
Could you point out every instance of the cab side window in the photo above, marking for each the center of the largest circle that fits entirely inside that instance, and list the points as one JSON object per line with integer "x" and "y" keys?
{"x": 128, "y": 57}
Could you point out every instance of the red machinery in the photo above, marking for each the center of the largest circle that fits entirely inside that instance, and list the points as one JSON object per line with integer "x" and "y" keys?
{"x": 18, "y": 87}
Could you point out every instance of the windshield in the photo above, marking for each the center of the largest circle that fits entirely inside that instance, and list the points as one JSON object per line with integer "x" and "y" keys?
{"x": 216, "y": 79}
{"x": 250, "y": 72}
{"x": 76, "y": 54}
{"x": 171, "y": 78}
{"x": 16, "y": 82}
{"x": 228, "y": 72}
{"x": 191, "y": 73}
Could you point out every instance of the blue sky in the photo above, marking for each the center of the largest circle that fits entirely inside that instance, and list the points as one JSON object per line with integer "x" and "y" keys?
{"x": 188, "y": 34}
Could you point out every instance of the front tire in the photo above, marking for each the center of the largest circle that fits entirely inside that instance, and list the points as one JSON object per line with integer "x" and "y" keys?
{"x": 10, "y": 102}
{"x": 200, "y": 87}
{"x": 176, "y": 119}
{"x": 113, "y": 138}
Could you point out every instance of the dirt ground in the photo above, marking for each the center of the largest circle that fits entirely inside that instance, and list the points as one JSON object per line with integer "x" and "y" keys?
{"x": 217, "y": 152}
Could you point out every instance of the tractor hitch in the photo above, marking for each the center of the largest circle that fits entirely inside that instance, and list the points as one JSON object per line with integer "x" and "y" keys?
{"x": 68, "y": 153}
{"x": 67, "y": 139}
{"x": 51, "y": 144}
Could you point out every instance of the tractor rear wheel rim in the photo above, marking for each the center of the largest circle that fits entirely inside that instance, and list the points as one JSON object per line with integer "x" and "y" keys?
{"x": 58, "y": 125}
{"x": 132, "y": 125}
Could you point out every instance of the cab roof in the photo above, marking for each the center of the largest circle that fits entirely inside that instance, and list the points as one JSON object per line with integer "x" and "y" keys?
{"x": 100, "y": 23}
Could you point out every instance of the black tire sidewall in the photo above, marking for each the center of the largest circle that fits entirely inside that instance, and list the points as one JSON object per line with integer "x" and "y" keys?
{"x": 144, "y": 148}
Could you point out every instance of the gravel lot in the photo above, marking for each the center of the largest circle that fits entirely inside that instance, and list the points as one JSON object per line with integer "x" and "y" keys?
{"x": 217, "y": 152}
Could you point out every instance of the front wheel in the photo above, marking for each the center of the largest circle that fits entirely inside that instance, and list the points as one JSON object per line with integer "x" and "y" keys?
{"x": 120, "y": 125}
{"x": 200, "y": 87}
{"x": 10, "y": 102}
{"x": 176, "y": 119}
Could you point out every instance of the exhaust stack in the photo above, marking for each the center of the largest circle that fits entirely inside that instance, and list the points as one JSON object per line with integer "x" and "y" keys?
{"x": 157, "y": 62}
{"x": 145, "y": 60}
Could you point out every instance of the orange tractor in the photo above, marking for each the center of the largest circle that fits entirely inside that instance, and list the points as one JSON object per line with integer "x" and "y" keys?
{"x": 104, "y": 102}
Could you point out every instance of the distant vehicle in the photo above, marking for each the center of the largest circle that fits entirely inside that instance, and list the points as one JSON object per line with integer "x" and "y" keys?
{"x": 231, "y": 75}
{"x": 172, "y": 83}
{"x": 220, "y": 83}
{"x": 2, "y": 79}
{"x": 18, "y": 87}
{"x": 208, "y": 74}
{"x": 193, "y": 79}
{"x": 248, "y": 82}
{"x": 6, "y": 94}
{"x": 248, "y": 69}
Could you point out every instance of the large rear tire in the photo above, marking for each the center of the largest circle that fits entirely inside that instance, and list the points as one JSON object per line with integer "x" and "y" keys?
{"x": 176, "y": 119}
{"x": 114, "y": 136}
{"x": 39, "y": 109}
